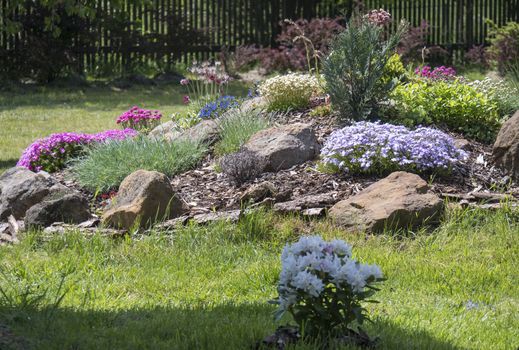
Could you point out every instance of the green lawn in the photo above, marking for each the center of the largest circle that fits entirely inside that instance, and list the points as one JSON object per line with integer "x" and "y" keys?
{"x": 32, "y": 113}
{"x": 207, "y": 287}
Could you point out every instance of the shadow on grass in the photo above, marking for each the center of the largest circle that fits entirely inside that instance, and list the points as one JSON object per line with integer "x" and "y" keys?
{"x": 221, "y": 327}
{"x": 6, "y": 164}
{"x": 102, "y": 97}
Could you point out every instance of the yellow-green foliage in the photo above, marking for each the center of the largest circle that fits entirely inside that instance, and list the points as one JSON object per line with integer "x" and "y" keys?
{"x": 394, "y": 69}
{"x": 290, "y": 91}
{"x": 455, "y": 105}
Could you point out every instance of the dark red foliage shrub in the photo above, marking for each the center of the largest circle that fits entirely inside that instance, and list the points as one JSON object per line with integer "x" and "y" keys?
{"x": 477, "y": 55}
{"x": 291, "y": 53}
{"x": 504, "y": 45}
{"x": 413, "y": 47}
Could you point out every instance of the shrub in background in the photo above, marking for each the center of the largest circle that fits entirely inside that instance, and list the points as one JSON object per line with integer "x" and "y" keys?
{"x": 106, "y": 165}
{"x": 413, "y": 46}
{"x": 373, "y": 148}
{"x": 238, "y": 126}
{"x": 290, "y": 91}
{"x": 504, "y": 45}
{"x": 356, "y": 65}
{"x": 139, "y": 119}
{"x": 242, "y": 166}
{"x": 51, "y": 153}
{"x": 322, "y": 287}
{"x": 455, "y": 105}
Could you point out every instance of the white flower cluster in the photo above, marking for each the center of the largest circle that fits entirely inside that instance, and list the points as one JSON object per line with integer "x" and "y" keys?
{"x": 312, "y": 264}
{"x": 491, "y": 86}
{"x": 292, "y": 90}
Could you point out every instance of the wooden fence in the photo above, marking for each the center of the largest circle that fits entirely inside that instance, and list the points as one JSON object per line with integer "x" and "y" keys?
{"x": 454, "y": 24}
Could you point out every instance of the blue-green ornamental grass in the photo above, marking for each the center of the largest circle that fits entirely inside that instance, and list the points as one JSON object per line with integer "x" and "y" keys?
{"x": 238, "y": 126}
{"x": 106, "y": 165}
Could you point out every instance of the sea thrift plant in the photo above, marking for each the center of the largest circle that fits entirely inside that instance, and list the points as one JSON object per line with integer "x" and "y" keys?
{"x": 139, "y": 119}
{"x": 375, "y": 148}
{"x": 51, "y": 153}
{"x": 216, "y": 108}
{"x": 438, "y": 73}
{"x": 288, "y": 91}
{"x": 322, "y": 287}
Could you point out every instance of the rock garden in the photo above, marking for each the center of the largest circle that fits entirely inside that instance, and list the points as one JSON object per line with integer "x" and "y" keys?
{"x": 362, "y": 141}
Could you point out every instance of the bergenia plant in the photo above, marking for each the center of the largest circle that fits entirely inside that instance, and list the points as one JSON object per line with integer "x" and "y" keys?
{"x": 322, "y": 287}
{"x": 438, "y": 73}
{"x": 139, "y": 119}
{"x": 375, "y": 148}
{"x": 51, "y": 153}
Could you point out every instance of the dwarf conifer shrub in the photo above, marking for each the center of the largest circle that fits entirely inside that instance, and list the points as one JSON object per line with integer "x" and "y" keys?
{"x": 355, "y": 68}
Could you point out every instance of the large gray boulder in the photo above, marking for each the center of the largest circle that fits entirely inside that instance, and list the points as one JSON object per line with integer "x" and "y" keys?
{"x": 143, "y": 198}
{"x": 284, "y": 146}
{"x": 506, "y": 148}
{"x": 20, "y": 189}
{"x": 61, "y": 206}
{"x": 401, "y": 200}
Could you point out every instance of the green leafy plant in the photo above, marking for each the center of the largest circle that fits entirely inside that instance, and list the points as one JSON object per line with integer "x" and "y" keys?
{"x": 455, "y": 105}
{"x": 290, "y": 91}
{"x": 394, "y": 71}
{"x": 238, "y": 126}
{"x": 355, "y": 68}
{"x": 106, "y": 165}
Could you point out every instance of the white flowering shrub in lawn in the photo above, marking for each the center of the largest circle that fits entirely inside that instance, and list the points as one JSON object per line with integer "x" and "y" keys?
{"x": 290, "y": 91}
{"x": 322, "y": 287}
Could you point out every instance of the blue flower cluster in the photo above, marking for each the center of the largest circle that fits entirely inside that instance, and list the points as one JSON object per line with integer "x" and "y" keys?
{"x": 214, "y": 109}
{"x": 375, "y": 148}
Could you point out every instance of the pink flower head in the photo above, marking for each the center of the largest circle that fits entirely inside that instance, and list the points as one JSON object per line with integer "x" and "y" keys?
{"x": 184, "y": 82}
{"x": 379, "y": 17}
{"x": 186, "y": 99}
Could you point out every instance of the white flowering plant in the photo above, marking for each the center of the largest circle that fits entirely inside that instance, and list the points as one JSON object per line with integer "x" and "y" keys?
{"x": 290, "y": 91}
{"x": 322, "y": 287}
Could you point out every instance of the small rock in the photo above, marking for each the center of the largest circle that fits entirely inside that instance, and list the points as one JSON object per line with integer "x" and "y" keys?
{"x": 313, "y": 201}
{"x": 313, "y": 212}
{"x": 259, "y": 192}
{"x": 506, "y": 148}
{"x": 143, "y": 197}
{"x": 285, "y": 146}
{"x": 207, "y": 131}
{"x": 230, "y": 216}
{"x": 163, "y": 129}
{"x": 462, "y": 144}
{"x": 401, "y": 200}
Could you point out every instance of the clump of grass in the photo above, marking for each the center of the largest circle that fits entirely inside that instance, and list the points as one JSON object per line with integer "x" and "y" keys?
{"x": 106, "y": 165}
{"x": 238, "y": 126}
